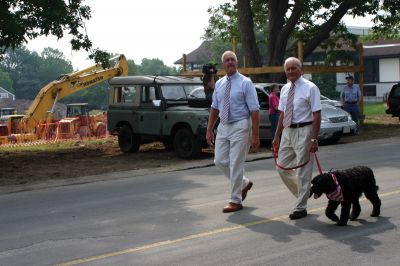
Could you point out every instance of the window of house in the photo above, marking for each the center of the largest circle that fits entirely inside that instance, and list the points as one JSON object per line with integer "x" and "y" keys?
{"x": 369, "y": 90}
{"x": 371, "y": 70}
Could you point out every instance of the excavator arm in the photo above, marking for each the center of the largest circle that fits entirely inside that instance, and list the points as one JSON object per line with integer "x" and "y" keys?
{"x": 43, "y": 105}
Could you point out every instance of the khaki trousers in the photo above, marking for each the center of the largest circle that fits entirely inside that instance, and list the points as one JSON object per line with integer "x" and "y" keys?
{"x": 294, "y": 151}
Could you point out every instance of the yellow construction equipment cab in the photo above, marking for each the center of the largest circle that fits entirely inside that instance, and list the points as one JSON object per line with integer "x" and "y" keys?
{"x": 42, "y": 107}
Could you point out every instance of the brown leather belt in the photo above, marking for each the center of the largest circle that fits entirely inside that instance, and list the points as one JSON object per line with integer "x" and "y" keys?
{"x": 300, "y": 125}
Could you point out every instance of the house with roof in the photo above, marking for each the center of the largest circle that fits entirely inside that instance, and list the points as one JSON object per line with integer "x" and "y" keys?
{"x": 381, "y": 69}
{"x": 5, "y": 94}
{"x": 198, "y": 57}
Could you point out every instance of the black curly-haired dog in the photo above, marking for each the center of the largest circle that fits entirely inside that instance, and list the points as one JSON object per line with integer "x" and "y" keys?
{"x": 353, "y": 182}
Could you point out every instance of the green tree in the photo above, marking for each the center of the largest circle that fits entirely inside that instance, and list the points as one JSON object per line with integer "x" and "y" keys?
{"x": 132, "y": 67}
{"x": 6, "y": 81}
{"x": 21, "y": 21}
{"x": 22, "y": 65}
{"x": 155, "y": 67}
{"x": 52, "y": 64}
{"x": 96, "y": 97}
{"x": 326, "y": 82}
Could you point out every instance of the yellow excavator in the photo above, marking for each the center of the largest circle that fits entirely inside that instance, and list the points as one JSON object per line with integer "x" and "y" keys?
{"x": 38, "y": 119}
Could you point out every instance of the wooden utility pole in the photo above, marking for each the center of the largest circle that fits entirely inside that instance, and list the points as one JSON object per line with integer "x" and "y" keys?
{"x": 361, "y": 80}
{"x": 234, "y": 45}
{"x": 184, "y": 63}
{"x": 300, "y": 51}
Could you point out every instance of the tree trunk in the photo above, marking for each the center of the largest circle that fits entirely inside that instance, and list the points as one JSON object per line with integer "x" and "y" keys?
{"x": 246, "y": 31}
{"x": 279, "y": 31}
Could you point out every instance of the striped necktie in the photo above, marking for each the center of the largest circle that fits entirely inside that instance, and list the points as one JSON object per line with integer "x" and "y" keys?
{"x": 225, "y": 108}
{"x": 287, "y": 119}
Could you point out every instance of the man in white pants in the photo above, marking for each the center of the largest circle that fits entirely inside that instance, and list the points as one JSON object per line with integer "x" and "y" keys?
{"x": 235, "y": 102}
{"x": 296, "y": 134}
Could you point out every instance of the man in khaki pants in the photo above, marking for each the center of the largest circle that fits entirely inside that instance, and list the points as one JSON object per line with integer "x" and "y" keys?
{"x": 296, "y": 134}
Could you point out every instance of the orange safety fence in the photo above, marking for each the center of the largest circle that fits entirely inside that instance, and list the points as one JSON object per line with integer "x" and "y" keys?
{"x": 52, "y": 132}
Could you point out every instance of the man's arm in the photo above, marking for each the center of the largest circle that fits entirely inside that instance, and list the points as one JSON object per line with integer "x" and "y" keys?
{"x": 342, "y": 98}
{"x": 212, "y": 119}
{"x": 316, "y": 124}
{"x": 278, "y": 131}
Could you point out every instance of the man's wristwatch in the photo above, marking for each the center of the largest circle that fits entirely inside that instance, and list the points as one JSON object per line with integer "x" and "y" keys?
{"x": 314, "y": 140}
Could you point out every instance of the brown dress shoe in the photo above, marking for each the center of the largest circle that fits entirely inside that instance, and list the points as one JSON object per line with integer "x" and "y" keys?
{"x": 232, "y": 207}
{"x": 247, "y": 188}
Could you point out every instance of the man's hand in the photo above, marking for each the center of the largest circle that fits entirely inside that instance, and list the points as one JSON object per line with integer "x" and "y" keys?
{"x": 210, "y": 138}
{"x": 275, "y": 142}
{"x": 255, "y": 141}
{"x": 314, "y": 147}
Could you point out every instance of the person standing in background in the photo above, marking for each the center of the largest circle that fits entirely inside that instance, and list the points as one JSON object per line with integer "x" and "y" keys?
{"x": 235, "y": 102}
{"x": 209, "y": 78}
{"x": 351, "y": 98}
{"x": 273, "y": 100}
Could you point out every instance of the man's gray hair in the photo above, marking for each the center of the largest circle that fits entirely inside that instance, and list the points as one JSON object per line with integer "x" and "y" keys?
{"x": 228, "y": 52}
{"x": 294, "y": 60}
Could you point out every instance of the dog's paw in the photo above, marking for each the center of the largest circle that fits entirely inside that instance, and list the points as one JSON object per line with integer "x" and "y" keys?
{"x": 341, "y": 223}
{"x": 375, "y": 213}
{"x": 354, "y": 216}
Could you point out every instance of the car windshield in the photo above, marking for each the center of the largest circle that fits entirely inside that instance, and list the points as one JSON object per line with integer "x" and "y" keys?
{"x": 177, "y": 92}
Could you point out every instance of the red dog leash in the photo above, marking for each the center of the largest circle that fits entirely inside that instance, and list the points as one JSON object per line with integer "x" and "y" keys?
{"x": 298, "y": 166}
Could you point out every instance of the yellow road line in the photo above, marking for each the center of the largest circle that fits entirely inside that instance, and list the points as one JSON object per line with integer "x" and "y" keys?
{"x": 194, "y": 236}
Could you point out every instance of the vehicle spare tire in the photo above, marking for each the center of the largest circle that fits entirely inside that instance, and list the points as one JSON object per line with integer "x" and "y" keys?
{"x": 128, "y": 142}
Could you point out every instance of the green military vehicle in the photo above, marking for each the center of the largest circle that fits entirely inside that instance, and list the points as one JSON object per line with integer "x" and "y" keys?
{"x": 143, "y": 109}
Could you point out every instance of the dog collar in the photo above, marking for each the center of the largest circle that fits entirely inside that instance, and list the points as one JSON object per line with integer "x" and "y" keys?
{"x": 336, "y": 195}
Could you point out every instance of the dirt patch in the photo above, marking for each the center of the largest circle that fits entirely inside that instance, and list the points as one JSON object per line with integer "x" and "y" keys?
{"x": 86, "y": 159}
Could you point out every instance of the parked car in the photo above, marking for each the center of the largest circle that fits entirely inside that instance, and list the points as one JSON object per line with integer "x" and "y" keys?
{"x": 157, "y": 108}
{"x": 393, "y": 101}
{"x": 335, "y": 103}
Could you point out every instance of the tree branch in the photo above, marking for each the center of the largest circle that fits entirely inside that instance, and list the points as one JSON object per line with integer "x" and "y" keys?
{"x": 325, "y": 29}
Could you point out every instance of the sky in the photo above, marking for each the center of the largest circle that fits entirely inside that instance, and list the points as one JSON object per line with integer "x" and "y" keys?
{"x": 142, "y": 29}
{"x": 139, "y": 29}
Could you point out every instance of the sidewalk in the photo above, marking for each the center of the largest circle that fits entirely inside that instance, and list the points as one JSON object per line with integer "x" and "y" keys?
{"x": 190, "y": 164}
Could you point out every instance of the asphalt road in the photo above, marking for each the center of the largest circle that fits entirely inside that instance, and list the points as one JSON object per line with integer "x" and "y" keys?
{"x": 175, "y": 218}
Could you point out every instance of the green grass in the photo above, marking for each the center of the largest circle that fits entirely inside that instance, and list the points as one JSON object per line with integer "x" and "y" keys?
{"x": 374, "y": 109}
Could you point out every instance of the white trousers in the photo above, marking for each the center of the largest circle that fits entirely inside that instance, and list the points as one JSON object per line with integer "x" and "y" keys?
{"x": 231, "y": 148}
{"x": 294, "y": 151}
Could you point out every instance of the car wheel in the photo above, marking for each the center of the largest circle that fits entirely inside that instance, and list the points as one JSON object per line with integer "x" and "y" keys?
{"x": 185, "y": 144}
{"x": 127, "y": 141}
{"x": 168, "y": 145}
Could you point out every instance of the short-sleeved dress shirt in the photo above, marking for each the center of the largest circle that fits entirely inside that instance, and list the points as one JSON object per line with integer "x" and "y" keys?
{"x": 306, "y": 100}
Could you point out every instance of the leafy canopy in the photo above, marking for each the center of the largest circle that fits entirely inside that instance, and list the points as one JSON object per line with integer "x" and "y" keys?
{"x": 314, "y": 22}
